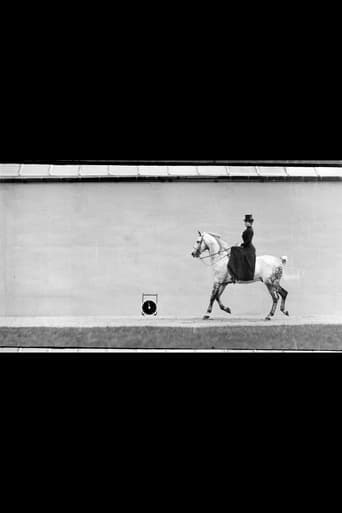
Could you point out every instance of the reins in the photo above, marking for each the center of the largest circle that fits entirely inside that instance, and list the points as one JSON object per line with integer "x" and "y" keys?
{"x": 226, "y": 251}
{"x": 209, "y": 256}
{"x": 214, "y": 254}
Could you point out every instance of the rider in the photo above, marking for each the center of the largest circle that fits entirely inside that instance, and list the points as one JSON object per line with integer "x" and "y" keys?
{"x": 241, "y": 265}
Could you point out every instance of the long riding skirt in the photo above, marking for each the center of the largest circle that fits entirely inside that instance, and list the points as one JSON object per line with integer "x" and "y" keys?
{"x": 242, "y": 263}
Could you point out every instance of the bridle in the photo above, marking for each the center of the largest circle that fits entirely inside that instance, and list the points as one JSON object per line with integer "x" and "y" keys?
{"x": 222, "y": 250}
{"x": 197, "y": 249}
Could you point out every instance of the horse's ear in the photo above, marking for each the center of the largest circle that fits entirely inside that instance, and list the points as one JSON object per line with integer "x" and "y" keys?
{"x": 199, "y": 233}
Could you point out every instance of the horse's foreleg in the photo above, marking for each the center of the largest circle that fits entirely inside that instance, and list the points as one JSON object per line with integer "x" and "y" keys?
{"x": 218, "y": 298}
{"x": 273, "y": 292}
{"x": 212, "y": 299}
{"x": 283, "y": 293}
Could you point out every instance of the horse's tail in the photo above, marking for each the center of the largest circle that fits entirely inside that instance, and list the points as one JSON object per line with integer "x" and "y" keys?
{"x": 284, "y": 259}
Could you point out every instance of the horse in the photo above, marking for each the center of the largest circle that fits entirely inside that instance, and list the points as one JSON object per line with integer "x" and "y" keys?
{"x": 268, "y": 270}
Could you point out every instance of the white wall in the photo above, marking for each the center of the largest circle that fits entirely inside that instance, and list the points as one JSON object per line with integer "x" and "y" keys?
{"x": 93, "y": 248}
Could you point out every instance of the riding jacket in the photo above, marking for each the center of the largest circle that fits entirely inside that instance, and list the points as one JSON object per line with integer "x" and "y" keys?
{"x": 242, "y": 259}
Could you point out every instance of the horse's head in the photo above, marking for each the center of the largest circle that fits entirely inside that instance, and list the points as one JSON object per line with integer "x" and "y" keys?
{"x": 199, "y": 246}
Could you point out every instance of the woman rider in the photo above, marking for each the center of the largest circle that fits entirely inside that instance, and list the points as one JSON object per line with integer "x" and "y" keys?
{"x": 241, "y": 265}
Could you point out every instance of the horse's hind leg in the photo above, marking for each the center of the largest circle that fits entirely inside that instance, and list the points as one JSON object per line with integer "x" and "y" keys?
{"x": 273, "y": 291}
{"x": 283, "y": 293}
{"x": 218, "y": 298}
{"x": 212, "y": 299}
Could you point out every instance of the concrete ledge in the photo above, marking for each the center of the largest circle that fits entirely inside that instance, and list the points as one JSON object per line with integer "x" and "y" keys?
{"x": 34, "y": 170}
{"x": 123, "y": 171}
{"x": 115, "y": 333}
{"x": 153, "y": 170}
{"x": 9, "y": 169}
{"x": 64, "y": 170}
{"x": 301, "y": 171}
{"x": 311, "y": 338}
{"x": 94, "y": 170}
{"x": 329, "y": 171}
{"x": 183, "y": 170}
{"x": 249, "y": 171}
{"x": 271, "y": 171}
{"x": 213, "y": 170}
{"x": 11, "y": 173}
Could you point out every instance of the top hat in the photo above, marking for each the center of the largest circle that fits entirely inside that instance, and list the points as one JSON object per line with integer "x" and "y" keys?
{"x": 248, "y": 218}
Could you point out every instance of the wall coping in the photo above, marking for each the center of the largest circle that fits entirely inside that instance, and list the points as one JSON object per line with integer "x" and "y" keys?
{"x": 13, "y": 173}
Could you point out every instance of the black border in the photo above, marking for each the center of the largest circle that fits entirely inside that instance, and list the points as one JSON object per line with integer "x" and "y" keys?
{"x": 301, "y": 163}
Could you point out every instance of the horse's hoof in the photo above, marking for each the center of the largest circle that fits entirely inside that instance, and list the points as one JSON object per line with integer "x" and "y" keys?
{"x": 287, "y": 313}
{"x": 228, "y": 310}
{"x": 268, "y": 318}
{"x": 206, "y": 317}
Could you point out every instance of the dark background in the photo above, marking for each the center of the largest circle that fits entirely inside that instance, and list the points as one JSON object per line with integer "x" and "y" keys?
{"x": 184, "y": 162}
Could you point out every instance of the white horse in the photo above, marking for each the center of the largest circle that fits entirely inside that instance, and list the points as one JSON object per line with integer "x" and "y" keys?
{"x": 268, "y": 269}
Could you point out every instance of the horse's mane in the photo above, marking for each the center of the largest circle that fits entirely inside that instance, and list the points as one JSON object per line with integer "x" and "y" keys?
{"x": 218, "y": 236}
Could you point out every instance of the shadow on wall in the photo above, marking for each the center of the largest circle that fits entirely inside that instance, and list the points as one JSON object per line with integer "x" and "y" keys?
{"x": 93, "y": 248}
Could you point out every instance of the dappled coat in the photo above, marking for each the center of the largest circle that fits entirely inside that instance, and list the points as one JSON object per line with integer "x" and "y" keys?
{"x": 241, "y": 263}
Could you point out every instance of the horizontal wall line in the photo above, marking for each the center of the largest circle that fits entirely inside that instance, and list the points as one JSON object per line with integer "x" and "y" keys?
{"x": 182, "y": 162}
{"x": 162, "y": 179}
